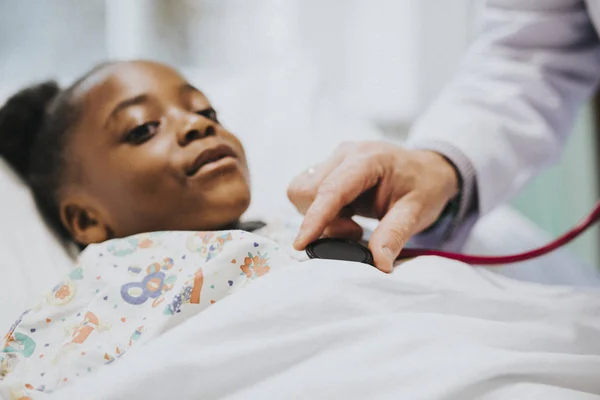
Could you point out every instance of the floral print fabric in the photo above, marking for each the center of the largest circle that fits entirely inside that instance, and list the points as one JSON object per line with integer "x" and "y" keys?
{"x": 124, "y": 292}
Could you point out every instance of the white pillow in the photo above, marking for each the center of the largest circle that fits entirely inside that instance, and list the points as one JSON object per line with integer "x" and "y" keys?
{"x": 32, "y": 257}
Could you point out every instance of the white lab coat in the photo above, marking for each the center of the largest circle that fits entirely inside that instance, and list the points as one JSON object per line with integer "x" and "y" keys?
{"x": 512, "y": 105}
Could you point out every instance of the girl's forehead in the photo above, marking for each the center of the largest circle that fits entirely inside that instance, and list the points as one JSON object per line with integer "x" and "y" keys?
{"x": 103, "y": 90}
{"x": 127, "y": 79}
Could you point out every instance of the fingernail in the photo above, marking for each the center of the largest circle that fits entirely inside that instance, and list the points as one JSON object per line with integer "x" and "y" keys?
{"x": 298, "y": 240}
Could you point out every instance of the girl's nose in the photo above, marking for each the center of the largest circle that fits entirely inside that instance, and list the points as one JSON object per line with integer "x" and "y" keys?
{"x": 200, "y": 128}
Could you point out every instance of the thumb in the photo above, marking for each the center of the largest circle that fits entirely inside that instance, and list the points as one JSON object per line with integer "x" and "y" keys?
{"x": 395, "y": 229}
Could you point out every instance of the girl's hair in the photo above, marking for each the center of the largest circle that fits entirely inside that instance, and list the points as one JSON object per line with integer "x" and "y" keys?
{"x": 34, "y": 128}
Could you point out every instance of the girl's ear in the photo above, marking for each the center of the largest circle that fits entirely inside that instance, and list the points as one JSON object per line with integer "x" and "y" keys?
{"x": 85, "y": 224}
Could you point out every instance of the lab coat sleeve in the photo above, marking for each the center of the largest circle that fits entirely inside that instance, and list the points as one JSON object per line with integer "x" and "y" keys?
{"x": 513, "y": 102}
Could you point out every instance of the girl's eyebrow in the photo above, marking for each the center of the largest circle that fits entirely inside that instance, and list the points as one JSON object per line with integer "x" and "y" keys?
{"x": 133, "y": 101}
{"x": 141, "y": 99}
{"x": 187, "y": 87}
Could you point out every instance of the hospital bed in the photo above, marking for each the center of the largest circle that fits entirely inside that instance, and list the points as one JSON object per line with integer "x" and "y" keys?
{"x": 258, "y": 107}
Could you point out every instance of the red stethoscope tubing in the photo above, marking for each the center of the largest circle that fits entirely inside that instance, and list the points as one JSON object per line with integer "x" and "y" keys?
{"x": 593, "y": 217}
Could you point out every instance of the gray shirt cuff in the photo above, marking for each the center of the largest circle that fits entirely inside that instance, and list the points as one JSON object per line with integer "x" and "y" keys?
{"x": 468, "y": 204}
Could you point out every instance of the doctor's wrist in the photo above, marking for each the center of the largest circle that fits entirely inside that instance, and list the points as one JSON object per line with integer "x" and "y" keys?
{"x": 465, "y": 203}
{"x": 452, "y": 208}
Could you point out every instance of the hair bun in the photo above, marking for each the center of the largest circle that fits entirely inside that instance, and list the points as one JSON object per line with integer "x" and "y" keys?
{"x": 21, "y": 119}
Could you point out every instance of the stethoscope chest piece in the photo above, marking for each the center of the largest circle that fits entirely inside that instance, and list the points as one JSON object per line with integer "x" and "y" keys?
{"x": 339, "y": 249}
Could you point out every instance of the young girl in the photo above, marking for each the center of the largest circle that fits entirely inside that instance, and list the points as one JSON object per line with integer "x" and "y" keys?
{"x": 129, "y": 148}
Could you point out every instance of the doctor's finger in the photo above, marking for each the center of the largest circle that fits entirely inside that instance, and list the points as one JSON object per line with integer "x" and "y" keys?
{"x": 393, "y": 232}
{"x": 350, "y": 179}
{"x": 344, "y": 228}
{"x": 303, "y": 188}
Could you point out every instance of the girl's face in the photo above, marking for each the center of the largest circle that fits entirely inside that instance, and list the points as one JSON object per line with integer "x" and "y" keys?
{"x": 149, "y": 154}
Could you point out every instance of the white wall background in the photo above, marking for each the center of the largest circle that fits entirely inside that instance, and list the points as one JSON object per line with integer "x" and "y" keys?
{"x": 384, "y": 59}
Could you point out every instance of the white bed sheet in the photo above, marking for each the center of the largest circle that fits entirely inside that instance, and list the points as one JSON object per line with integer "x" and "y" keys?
{"x": 434, "y": 329}
{"x": 31, "y": 257}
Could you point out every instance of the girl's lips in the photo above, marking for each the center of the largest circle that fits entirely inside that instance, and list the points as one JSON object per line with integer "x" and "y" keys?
{"x": 213, "y": 158}
{"x": 217, "y": 166}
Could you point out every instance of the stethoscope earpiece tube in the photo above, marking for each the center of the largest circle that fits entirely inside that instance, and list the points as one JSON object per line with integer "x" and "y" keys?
{"x": 339, "y": 249}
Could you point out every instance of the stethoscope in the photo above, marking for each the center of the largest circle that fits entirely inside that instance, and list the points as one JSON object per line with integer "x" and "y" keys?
{"x": 346, "y": 250}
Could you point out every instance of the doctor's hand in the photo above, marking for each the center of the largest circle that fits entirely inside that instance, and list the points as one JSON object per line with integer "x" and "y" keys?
{"x": 405, "y": 189}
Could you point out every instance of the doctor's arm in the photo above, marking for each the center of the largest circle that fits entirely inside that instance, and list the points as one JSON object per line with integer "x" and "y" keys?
{"x": 505, "y": 116}
{"x": 509, "y": 110}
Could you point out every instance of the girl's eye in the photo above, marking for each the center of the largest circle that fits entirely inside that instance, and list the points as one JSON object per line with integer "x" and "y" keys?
{"x": 142, "y": 133}
{"x": 209, "y": 113}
